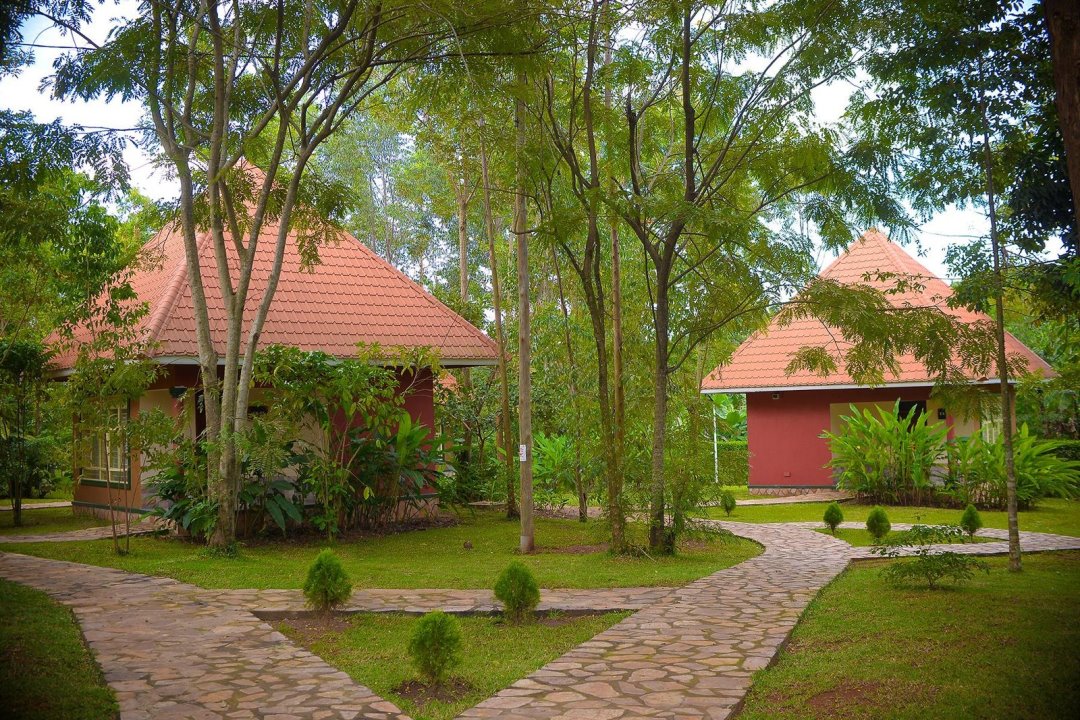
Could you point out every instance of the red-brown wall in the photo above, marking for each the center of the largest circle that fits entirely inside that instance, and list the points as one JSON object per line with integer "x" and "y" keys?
{"x": 784, "y": 434}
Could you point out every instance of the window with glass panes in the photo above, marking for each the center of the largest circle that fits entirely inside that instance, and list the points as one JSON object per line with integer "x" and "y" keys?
{"x": 107, "y": 458}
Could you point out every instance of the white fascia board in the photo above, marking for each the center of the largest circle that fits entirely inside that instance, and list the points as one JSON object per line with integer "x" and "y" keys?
{"x": 790, "y": 388}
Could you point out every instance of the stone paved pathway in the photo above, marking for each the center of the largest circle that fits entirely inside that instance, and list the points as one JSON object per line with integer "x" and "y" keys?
{"x": 147, "y": 527}
{"x": 812, "y": 497}
{"x": 1029, "y": 541}
{"x": 693, "y": 654}
{"x": 38, "y": 505}
{"x": 171, "y": 650}
{"x": 286, "y": 603}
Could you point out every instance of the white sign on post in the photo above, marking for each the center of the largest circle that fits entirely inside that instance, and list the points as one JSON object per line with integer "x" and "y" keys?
{"x": 523, "y": 453}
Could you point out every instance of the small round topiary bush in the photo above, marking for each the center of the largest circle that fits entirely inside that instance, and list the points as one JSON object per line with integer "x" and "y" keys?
{"x": 833, "y": 516}
{"x": 327, "y": 585}
{"x": 727, "y": 501}
{"x": 516, "y": 588}
{"x": 877, "y": 523}
{"x": 435, "y": 646}
{"x": 971, "y": 521}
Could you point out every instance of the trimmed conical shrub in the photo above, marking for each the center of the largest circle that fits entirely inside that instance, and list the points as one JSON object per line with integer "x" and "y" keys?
{"x": 727, "y": 501}
{"x": 833, "y": 516}
{"x": 877, "y": 523}
{"x": 435, "y": 646}
{"x": 327, "y": 585}
{"x": 516, "y": 588}
{"x": 971, "y": 521}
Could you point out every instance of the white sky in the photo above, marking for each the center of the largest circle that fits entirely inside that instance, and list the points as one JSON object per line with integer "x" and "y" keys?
{"x": 22, "y": 93}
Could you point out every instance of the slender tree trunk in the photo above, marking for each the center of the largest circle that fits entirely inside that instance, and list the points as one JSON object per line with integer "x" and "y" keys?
{"x": 463, "y": 198}
{"x": 1004, "y": 388}
{"x": 619, "y": 387}
{"x": 505, "y": 440}
{"x": 1063, "y": 25}
{"x": 524, "y": 335}
{"x": 575, "y": 401}
{"x": 657, "y": 541}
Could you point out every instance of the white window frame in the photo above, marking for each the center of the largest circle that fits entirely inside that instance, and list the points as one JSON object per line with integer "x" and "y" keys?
{"x": 117, "y": 469}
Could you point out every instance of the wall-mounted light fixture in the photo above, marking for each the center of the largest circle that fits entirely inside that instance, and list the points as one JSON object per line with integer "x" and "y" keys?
{"x": 941, "y": 413}
{"x": 178, "y": 391}
{"x": 776, "y": 396}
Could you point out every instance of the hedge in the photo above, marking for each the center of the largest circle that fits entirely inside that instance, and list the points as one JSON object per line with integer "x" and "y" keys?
{"x": 734, "y": 461}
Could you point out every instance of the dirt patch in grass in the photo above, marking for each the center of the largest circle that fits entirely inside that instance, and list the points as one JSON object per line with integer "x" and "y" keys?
{"x": 867, "y": 698}
{"x": 312, "y": 628}
{"x": 422, "y": 693}
{"x": 839, "y": 701}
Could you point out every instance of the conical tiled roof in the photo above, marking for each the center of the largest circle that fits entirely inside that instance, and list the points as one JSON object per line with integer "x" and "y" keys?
{"x": 353, "y": 296}
{"x": 759, "y": 363}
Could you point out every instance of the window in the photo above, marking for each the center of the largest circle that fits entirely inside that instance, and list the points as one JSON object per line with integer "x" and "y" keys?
{"x": 107, "y": 458}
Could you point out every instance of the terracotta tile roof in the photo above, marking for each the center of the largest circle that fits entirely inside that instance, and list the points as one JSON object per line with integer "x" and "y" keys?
{"x": 759, "y": 363}
{"x": 352, "y": 296}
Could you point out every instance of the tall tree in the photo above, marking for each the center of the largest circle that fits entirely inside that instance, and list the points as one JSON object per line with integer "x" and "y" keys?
{"x": 226, "y": 85}
{"x": 521, "y": 236}
{"x": 957, "y": 84}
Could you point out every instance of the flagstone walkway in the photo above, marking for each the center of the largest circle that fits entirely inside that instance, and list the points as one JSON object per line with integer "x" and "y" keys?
{"x": 276, "y": 604}
{"x": 103, "y": 532}
{"x": 38, "y": 505}
{"x": 171, "y": 650}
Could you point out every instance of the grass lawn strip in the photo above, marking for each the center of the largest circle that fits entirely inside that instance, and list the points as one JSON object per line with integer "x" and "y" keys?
{"x": 372, "y": 649}
{"x": 1002, "y": 646}
{"x": 1052, "y": 515}
{"x": 861, "y": 537}
{"x": 47, "y": 520}
{"x": 46, "y": 672}
{"x": 571, "y": 555}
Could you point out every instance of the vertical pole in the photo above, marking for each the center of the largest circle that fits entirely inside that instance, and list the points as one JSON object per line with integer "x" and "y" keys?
{"x": 715, "y": 450}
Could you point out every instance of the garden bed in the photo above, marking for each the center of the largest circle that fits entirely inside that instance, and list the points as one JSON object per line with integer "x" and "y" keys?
{"x": 372, "y": 650}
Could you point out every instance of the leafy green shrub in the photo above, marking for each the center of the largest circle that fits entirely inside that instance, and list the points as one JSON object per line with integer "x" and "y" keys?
{"x": 887, "y": 458}
{"x": 727, "y": 501}
{"x": 553, "y": 469}
{"x": 733, "y": 462}
{"x": 833, "y": 516}
{"x": 977, "y": 470}
{"x": 1067, "y": 449}
{"x": 516, "y": 588}
{"x": 435, "y": 646}
{"x": 327, "y": 585}
{"x": 877, "y": 523}
{"x": 926, "y": 562}
{"x": 971, "y": 521}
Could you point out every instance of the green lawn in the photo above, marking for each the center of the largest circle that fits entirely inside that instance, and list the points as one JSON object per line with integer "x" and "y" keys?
{"x": 1002, "y": 646}
{"x": 1051, "y": 515}
{"x": 46, "y": 520}
{"x": 570, "y": 554}
{"x": 372, "y": 648}
{"x": 861, "y": 537}
{"x": 46, "y": 672}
